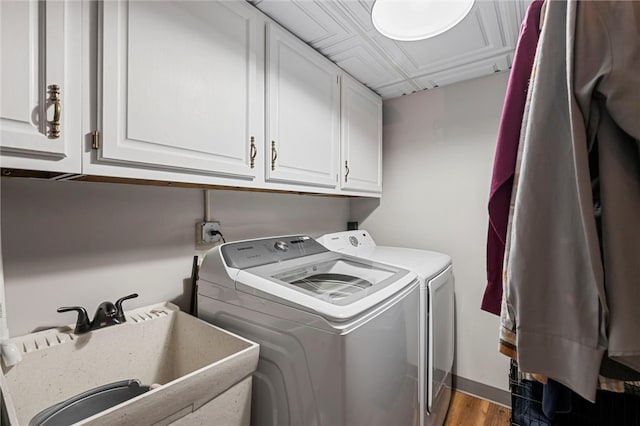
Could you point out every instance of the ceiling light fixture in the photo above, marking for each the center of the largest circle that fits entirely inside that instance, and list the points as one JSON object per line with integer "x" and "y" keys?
{"x": 409, "y": 20}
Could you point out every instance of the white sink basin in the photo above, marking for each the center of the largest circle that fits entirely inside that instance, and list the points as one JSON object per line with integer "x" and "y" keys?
{"x": 204, "y": 371}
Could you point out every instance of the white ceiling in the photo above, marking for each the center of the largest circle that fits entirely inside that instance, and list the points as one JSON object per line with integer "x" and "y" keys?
{"x": 483, "y": 43}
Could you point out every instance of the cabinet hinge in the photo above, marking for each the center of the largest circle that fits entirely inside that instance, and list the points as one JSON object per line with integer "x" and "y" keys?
{"x": 95, "y": 139}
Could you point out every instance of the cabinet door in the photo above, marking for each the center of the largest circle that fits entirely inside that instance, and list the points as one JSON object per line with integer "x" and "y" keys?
{"x": 178, "y": 87}
{"x": 303, "y": 112}
{"x": 40, "y": 48}
{"x": 361, "y": 139}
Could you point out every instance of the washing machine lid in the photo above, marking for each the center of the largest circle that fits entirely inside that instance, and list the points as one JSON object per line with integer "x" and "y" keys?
{"x": 299, "y": 272}
{"x": 334, "y": 279}
{"x": 336, "y": 286}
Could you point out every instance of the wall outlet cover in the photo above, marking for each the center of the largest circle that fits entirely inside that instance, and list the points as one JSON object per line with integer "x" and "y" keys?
{"x": 208, "y": 233}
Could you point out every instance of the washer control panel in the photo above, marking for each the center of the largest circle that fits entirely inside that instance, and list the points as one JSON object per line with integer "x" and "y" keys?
{"x": 347, "y": 241}
{"x": 281, "y": 245}
{"x": 247, "y": 254}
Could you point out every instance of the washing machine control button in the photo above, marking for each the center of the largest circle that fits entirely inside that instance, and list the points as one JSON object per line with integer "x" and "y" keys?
{"x": 353, "y": 241}
{"x": 281, "y": 245}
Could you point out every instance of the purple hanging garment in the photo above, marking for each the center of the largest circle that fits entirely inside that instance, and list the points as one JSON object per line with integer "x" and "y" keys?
{"x": 504, "y": 163}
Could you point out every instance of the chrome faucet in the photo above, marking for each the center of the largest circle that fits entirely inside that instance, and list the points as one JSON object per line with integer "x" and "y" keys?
{"x": 107, "y": 314}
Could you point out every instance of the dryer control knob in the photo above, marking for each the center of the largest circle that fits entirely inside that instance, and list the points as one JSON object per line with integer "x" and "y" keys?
{"x": 281, "y": 245}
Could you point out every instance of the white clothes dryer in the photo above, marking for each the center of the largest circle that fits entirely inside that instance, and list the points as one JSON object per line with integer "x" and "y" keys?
{"x": 436, "y": 343}
{"x": 333, "y": 330}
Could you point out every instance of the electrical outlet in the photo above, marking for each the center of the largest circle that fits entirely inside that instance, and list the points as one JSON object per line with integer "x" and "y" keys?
{"x": 208, "y": 233}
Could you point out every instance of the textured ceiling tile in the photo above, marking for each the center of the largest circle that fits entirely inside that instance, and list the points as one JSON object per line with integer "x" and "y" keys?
{"x": 306, "y": 19}
{"x": 342, "y": 30}
{"x": 396, "y": 90}
{"x": 365, "y": 46}
{"x": 359, "y": 11}
{"x": 467, "y": 72}
{"x": 362, "y": 64}
{"x": 477, "y": 37}
{"x": 511, "y": 15}
{"x": 466, "y": 39}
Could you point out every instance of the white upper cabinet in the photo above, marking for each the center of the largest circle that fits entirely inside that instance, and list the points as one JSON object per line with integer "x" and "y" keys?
{"x": 40, "y": 85}
{"x": 361, "y": 137}
{"x": 178, "y": 86}
{"x": 185, "y": 91}
{"x": 302, "y": 113}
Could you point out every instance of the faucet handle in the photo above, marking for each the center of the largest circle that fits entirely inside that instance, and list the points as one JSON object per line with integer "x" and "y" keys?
{"x": 82, "y": 323}
{"x": 106, "y": 315}
{"x": 119, "y": 312}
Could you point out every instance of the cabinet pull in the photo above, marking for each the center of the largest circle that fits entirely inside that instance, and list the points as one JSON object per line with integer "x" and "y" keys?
{"x": 95, "y": 139}
{"x": 54, "y": 89}
{"x": 254, "y": 152}
{"x": 274, "y": 155}
{"x": 346, "y": 167}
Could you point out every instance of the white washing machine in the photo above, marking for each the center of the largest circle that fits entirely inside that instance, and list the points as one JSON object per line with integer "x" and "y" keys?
{"x": 436, "y": 344}
{"x": 334, "y": 330}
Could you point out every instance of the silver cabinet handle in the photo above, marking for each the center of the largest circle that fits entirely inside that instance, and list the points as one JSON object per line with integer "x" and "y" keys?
{"x": 254, "y": 152}
{"x": 57, "y": 111}
{"x": 274, "y": 155}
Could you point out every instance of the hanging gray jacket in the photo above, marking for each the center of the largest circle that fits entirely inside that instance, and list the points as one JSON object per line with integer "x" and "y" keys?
{"x": 607, "y": 87}
{"x": 555, "y": 281}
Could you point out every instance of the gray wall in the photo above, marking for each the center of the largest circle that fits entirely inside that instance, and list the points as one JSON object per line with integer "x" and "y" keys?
{"x": 76, "y": 243}
{"x": 438, "y": 157}
{"x": 72, "y": 243}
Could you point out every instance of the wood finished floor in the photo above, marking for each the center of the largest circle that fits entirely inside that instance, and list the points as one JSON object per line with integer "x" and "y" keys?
{"x": 466, "y": 410}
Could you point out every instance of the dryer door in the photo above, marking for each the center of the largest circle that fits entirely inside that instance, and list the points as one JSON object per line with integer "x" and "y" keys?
{"x": 441, "y": 336}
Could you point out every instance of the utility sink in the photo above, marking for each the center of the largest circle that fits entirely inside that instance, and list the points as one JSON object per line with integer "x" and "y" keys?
{"x": 204, "y": 372}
